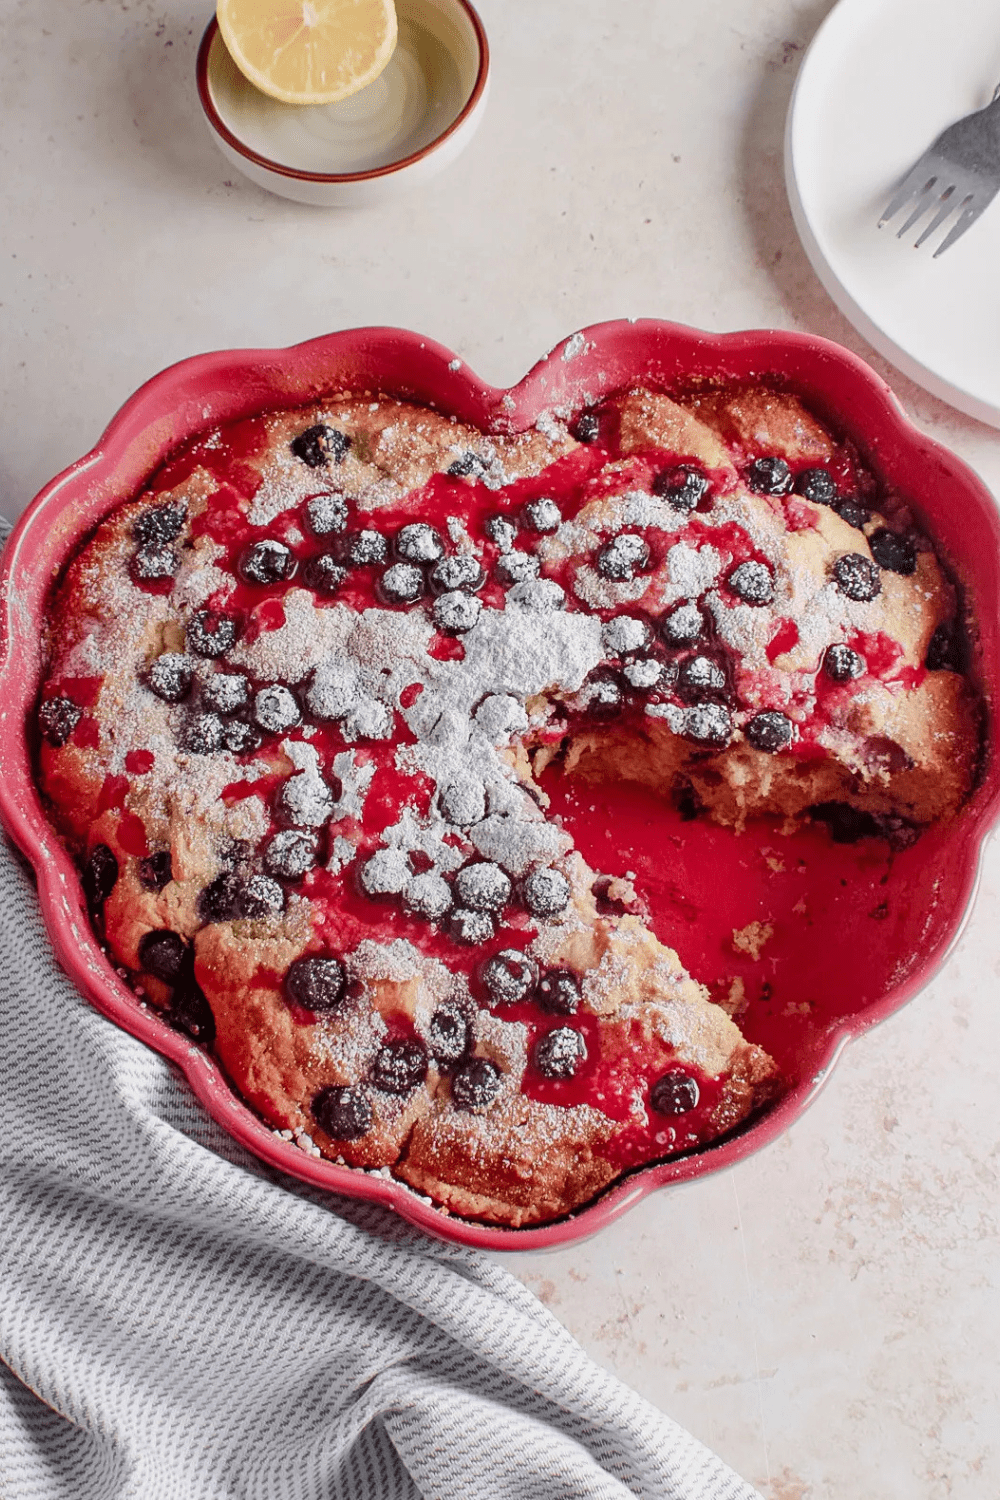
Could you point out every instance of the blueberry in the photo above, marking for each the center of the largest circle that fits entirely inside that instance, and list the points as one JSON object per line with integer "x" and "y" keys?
{"x": 708, "y": 724}
{"x": 841, "y": 664}
{"x": 191, "y": 1013}
{"x": 674, "y": 1094}
{"x": 893, "y": 552}
{"x": 385, "y": 873}
{"x": 324, "y": 574}
{"x": 476, "y": 1084}
{"x": 333, "y": 691}
{"x": 344, "y": 1113}
{"x": 700, "y": 677}
{"x": 169, "y": 676}
{"x": 816, "y": 485}
{"x": 482, "y": 887}
{"x": 156, "y": 870}
{"x": 163, "y": 953}
{"x": 461, "y": 572}
{"x": 471, "y": 927}
{"x": 418, "y": 543}
{"x": 100, "y": 875}
{"x": 546, "y": 893}
{"x": 291, "y": 854}
{"x": 403, "y": 583}
{"x": 681, "y": 487}
{"x": 318, "y": 445}
{"x": 160, "y": 525}
{"x": 456, "y": 613}
{"x": 468, "y": 466}
{"x": 276, "y": 709}
{"x": 316, "y": 983}
{"x": 560, "y": 1053}
{"x": 753, "y": 582}
{"x": 225, "y": 692}
{"x": 153, "y": 564}
{"x": 266, "y": 562}
{"x": 57, "y": 718}
{"x": 769, "y": 731}
{"x": 645, "y": 673}
{"x": 502, "y": 531}
{"x": 368, "y": 720}
{"x": 305, "y": 802}
{"x": 602, "y": 695}
{"x": 366, "y": 548}
{"x": 683, "y": 625}
{"x": 463, "y": 802}
{"x": 447, "y": 1036}
{"x": 944, "y": 653}
{"x": 624, "y": 556}
{"x": 428, "y": 895}
{"x": 559, "y": 992}
{"x": 509, "y": 976}
{"x": 857, "y": 577}
{"x": 221, "y": 900}
{"x": 624, "y": 634}
{"x": 261, "y": 897}
{"x": 769, "y": 476}
{"x": 202, "y": 734}
{"x": 542, "y": 515}
{"x": 516, "y": 567}
{"x": 240, "y": 738}
{"x": 211, "y": 634}
{"x": 399, "y": 1067}
{"x": 851, "y": 511}
{"x": 586, "y": 428}
{"x": 326, "y": 514}
{"x": 538, "y": 595}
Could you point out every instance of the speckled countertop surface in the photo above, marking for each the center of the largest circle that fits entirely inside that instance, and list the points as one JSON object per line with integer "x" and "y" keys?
{"x": 825, "y": 1316}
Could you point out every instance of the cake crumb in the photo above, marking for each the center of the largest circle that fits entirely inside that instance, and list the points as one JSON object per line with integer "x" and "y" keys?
{"x": 752, "y": 938}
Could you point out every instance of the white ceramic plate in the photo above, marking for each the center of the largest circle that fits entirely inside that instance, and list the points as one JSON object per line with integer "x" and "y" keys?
{"x": 880, "y": 81}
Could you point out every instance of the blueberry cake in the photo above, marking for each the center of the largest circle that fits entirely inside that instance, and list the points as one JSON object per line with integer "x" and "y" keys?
{"x": 301, "y": 697}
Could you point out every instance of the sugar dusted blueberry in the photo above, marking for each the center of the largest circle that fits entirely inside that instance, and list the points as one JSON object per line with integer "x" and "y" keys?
{"x": 267, "y": 561}
{"x": 385, "y": 873}
{"x": 944, "y": 654}
{"x": 482, "y": 886}
{"x": 516, "y": 567}
{"x": 345, "y": 1113}
{"x": 683, "y": 625}
{"x": 850, "y": 510}
{"x": 241, "y": 738}
{"x": 100, "y": 876}
{"x": 163, "y": 953}
{"x": 418, "y": 543}
{"x": 461, "y": 572}
{"x": 225, "y": 692}
{"x": 428, "y": 895}
{"x": 170, "y": 676}
{"x": 602, "y": 695}
{"x": 261, "y": 896}
{"x": 753, "y": 582}
{"x": 305, "y": 801}
{"x": 364, "y": 548}
{"x": 324, "y": 574}
{"x": 559, "y": 992}
{"x": 682, "y": 487}
{"x": 644, "y": 673}
{"x": 468, "y": 465}
{"x": 276, "y": 709}
{"x": 402, "y": 583}
{"x": 57, "y": 718}
{"x": 160, "y": 524}
{"x": 841, "y": 664}
{"x": 894, "y": 553}
{"x": 202, "y": 734}
{"x": 456, "y": 613}
{"x": 546, "y": 893}
{"x": 542, "y": 515}
{"x": 471, "y": 927}
{"x": 220, "y": 900}
{"x": 211, "y": 634}
{"x": 623, "y": 557}
{"x": 190, "y": 1011}
{"x": 291, "y": 854}
{"x": 326, "y": 515}
{"x": 333, "y": 691}
{"x": 317, "y": 983}
{"x": 463, "y": 801}
{"x": 320, "y": 445}
{"x": 675, "y": 1093}
{"x": 708, "y": 724}
{"x": 155, "y": 871}
{"x": 700, "y": 677}
{"x": 624, "y": 634}
{"x": 510, "y": 976}
{"x": 502, "y": 531}
{"x": 857, "y": 577}
{"x": 817, "y": 485}
{"x": 368, "y": 720}
{"x": 769, "y": 475}
{"x": 400, "y": 1066}
{"x": 538, "y": 595}
{"x": 586, "y": 428}
{"x": 475, "y": 1084}
{"x": 560, "y": 1052}
{"x": 447, "y": 1035}
{"x": 153, "y": 564}
{"x": 770, "y": 731}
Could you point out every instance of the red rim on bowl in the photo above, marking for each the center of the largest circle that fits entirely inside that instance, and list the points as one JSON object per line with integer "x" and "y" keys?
{"x": 208, "y": 390}
{"x": 222, "y": 129}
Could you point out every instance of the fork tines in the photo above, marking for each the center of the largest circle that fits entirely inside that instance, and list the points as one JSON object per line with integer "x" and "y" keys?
{"x": 944, "y": 190}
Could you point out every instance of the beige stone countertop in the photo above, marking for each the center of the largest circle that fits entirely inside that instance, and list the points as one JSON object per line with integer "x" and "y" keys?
{"x": 826, "y": 1316}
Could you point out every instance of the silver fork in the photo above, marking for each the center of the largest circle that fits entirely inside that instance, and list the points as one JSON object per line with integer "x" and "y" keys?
{"x": 960, "y": 171}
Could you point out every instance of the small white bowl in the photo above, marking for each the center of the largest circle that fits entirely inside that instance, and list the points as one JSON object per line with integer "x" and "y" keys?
{"x": 415, "y": 118}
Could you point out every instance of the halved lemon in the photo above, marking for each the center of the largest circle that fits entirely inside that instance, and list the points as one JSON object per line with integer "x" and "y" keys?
{"x": 309, "y": 51}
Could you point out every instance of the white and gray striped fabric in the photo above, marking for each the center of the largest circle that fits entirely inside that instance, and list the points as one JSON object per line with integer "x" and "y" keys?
{"x": 178, "y": 1322}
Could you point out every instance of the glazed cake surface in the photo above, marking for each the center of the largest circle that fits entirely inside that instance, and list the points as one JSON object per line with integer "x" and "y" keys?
{"x": 300, "y": 695}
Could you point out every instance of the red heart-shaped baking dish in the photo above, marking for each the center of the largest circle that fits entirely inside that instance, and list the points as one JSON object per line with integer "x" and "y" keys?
{"x": 880, "y": 922}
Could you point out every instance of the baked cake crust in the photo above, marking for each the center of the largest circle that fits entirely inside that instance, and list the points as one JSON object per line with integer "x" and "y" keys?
{"x": 300, "y": 693}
